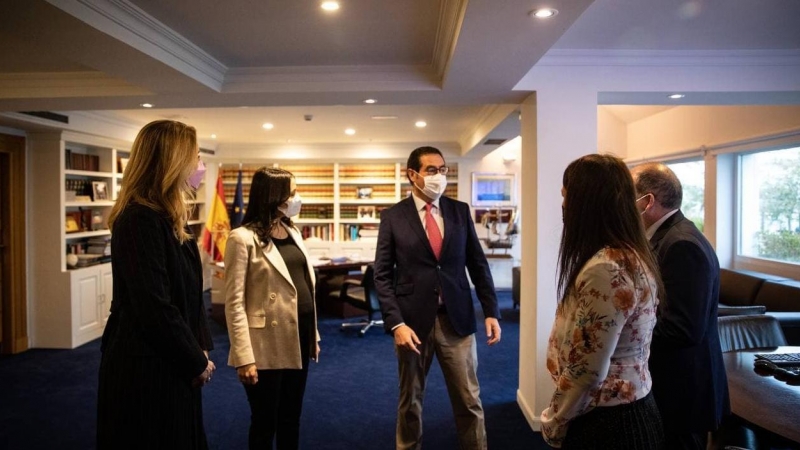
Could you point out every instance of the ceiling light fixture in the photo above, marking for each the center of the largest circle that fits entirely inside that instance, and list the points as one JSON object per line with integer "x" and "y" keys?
{"x": 268, "y": 126}
{"x": 421, "y": 124}
{"x": 370, "y": 101}
{"x": 146, "y": 105}
{"x": 384, "y": 117}
{"x": 544, "y": 13}
{"x": 330, "y": 6}
{"x": 213, "y": 136}
{"x": 349, "y": 131}
{"x": 676, "y": 96}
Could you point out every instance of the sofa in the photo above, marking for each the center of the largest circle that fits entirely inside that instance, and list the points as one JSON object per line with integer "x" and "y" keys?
{"x": 747, "y": 292}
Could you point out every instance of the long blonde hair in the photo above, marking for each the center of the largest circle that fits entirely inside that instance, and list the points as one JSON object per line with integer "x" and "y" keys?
{"x": 163, "y": 157}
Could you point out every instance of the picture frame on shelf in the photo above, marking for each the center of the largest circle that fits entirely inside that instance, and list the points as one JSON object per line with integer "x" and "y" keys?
{"x": 99, "y": 191}
{"x": 364, "y": 192}
{"x": 493, "y": 189}
{"x": 366, "y": 213}
{"x": 72, "y": 222}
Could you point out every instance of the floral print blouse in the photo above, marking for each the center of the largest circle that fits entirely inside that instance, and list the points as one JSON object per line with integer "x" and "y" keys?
{"x": 598, "y": 348}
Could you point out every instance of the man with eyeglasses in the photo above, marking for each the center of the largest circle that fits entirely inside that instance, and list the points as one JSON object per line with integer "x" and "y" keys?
{"x": 426, "y": 245}
{"x": 689, "y": 381}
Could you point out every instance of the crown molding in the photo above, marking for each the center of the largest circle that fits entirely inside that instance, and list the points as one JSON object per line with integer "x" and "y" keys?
{"x": 65, "y": 85}
{"x": 329, "y": 79}
{"x": 326, "y": 152}
{"x": 451, "y": 17}
{"x": 695, "y": 58}
{"x": 131, "y": 25}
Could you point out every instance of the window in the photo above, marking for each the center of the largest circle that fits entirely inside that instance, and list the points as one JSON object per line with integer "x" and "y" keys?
{"x": 692, "y": 176}
{"x": 770, "y": 205}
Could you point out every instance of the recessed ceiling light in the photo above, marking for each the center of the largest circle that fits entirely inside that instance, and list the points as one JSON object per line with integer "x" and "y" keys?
{"x": 676, "y": 96}
{"x": 330, "y": 6}
{"x": 349, "y": 131}
{"x": 544, "y": 13}
{"x": 421, "y": 124}
{"x": 213, "y": 136}
{"x": 370, "y": 101}
{"x": 267, "y": 126}
{"x": 146, "y": 105}
{"x": 384, "y": 117}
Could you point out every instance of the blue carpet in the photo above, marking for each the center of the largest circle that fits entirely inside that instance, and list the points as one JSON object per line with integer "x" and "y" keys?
{"x": 47, "y": 397}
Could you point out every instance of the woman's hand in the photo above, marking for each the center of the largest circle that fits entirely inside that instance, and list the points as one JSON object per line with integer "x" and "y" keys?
{"x": 248, "y": 374}
{"x": 205, "y": 377}
{"x": 316, "y": 358}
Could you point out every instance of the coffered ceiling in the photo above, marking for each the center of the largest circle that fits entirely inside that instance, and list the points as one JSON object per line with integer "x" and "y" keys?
{"x": 228, "y": 67}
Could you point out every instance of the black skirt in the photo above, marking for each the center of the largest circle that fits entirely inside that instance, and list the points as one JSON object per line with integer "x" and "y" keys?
{"x": 632, "y": 426}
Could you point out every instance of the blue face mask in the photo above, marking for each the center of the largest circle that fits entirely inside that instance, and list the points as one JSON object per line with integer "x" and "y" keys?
{"x": 197, "y": 176}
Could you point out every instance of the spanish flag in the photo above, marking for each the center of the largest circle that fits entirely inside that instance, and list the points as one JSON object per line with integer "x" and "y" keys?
{"x": 215, "y": 233}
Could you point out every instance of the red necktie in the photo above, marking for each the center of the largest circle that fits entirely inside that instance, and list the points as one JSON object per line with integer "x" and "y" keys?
{"x": 432, "y": 228}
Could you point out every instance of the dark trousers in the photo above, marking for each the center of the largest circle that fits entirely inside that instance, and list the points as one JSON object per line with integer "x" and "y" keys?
{"x": 687, "y": 441}
{"x": 276, "y": 401}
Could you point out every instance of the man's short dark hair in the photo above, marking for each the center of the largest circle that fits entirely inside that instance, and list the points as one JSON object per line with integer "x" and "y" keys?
{"x": 415, "y": 158}
{"x": 658, "y": 179}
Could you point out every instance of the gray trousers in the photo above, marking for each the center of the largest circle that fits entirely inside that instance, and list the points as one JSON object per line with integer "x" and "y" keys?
{"x": 458, "y": 359}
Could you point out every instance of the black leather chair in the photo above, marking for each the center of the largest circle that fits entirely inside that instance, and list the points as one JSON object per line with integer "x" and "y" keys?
{"x": 749, "y": 331}
{"x": 361, "y": 294}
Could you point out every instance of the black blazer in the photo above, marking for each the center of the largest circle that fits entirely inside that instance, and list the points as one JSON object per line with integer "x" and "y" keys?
{"x": 154, "y": 340}
{"x": 689, "y": 381}
{"x": 408, "y": 278}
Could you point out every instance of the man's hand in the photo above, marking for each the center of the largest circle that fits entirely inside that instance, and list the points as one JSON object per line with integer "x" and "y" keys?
{"x": 492, "y": 330}
{"x": 405, "y": 337}
{"x": 248, "y": 374}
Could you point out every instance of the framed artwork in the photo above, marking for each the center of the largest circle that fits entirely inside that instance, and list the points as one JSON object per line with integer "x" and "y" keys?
{"x": 493, "y": 189}
{"x": 99, "y": 191}
{"x": 366, "y": 212}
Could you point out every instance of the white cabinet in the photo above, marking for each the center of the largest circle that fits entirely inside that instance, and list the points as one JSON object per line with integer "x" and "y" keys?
{"x": 91, "y": 300}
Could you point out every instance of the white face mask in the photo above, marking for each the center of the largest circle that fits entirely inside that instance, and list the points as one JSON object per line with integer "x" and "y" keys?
{"x": 434, "y": 186}
{"x": 292, "y": 207}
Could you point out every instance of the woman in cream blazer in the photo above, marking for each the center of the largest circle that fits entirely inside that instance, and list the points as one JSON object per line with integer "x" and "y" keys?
{"x": 269, "y": 307}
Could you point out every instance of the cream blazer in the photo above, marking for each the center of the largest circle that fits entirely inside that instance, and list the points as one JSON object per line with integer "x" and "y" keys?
{"x": 261, "y": 303}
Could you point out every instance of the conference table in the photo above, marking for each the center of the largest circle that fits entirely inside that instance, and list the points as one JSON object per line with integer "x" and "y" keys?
{"x": 331, "y": 273}
{"x": 762, "y": 399}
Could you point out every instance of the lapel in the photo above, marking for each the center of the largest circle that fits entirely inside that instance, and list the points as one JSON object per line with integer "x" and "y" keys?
{"x": 274, "y": 257}
{"x": 448, "y": 211}
{"x": 412, "y": 216}
{"x": 662, "y": 231}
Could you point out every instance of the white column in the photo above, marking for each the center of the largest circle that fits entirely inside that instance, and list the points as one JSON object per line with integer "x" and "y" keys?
{"x": 558, "y": 126}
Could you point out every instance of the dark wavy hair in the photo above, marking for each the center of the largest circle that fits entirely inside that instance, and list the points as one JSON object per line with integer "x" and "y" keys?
{"x": 600, "y": 211}
{"x": 415, "y": 158}
{"x": 269, "y": 189}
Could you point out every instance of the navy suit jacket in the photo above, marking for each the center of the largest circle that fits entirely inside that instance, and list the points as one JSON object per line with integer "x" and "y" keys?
{"x": 409, "y": 278}
{"x": 689, "y": 381}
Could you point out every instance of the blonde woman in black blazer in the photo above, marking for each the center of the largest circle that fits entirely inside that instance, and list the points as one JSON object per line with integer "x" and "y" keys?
{"x": 269, "y": 307}
{"x": 155, "y": 345}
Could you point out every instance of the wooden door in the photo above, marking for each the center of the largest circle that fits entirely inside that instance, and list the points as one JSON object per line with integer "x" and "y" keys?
{"x": 13, "y": 317}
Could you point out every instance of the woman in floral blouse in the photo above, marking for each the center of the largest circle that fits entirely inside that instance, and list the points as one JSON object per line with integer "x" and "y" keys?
{"x": 608, "y": 289}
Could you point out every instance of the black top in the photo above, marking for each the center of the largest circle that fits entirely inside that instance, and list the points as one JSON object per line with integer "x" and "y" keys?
{"x": 295, "y": 261}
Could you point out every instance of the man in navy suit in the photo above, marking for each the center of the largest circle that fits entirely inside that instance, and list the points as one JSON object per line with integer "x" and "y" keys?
{"x": 426, "y": 245}
{"x": 689, "y": 381}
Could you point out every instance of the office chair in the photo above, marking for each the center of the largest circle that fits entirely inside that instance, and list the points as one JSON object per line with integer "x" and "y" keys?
{"x": 749, "y": 331}
{"x": 361, "y": 294}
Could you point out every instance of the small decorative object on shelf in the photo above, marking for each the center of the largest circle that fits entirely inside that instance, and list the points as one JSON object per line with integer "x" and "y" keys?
{"x": 121, "y": 164}
{"x": 99, "y": 191}
{"x": 364, "y": 192}
{"x": 73, "y": 222}
{"x": 97, "y": 220}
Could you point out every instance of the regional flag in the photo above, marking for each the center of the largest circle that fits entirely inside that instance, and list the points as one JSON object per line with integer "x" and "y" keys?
{"x": 238, "y": 204}
{"x": 215, "y": 233}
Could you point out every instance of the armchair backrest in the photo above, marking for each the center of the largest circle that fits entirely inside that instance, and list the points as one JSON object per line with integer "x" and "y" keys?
{"x": 754, "y": 331}
{"x": 370, "y": 294}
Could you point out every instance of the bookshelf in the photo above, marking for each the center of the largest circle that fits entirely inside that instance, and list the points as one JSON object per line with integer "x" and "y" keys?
{"x": 342, "y": 202}
{"x": 77, "y": 179}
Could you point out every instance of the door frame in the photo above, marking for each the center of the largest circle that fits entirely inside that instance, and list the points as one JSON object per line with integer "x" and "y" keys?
{"x": 15, "y": 311}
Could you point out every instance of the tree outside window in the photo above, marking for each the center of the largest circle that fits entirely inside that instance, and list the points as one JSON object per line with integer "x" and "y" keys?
{"x": 770, "y": 205}
{"x": 692, "y": 177}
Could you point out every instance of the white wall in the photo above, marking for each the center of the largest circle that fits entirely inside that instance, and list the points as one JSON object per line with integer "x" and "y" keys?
{"x": 690, "y": 127}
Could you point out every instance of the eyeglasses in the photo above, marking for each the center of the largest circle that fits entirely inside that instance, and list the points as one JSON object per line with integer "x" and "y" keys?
{"x": 434, "y": 170}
